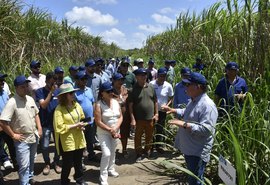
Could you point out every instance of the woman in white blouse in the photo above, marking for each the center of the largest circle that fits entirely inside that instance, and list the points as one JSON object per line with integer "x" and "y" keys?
{"x": 108, "y": 118}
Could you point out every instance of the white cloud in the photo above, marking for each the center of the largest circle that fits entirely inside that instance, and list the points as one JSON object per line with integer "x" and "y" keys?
{"x": 88, "y": 16}
{"x": 96, "y": 1}
{"x": 162, "y": 19}
{"x": 166, "y": 10}
{"x": 151, "y": 28}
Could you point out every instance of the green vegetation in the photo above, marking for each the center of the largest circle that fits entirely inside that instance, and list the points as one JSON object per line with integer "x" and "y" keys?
{"x": 28, "y": 33}
{"x": 235, "y": 31}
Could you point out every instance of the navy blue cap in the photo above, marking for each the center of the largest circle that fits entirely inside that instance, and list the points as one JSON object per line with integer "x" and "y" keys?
{"x": 151, "y": 61}
{"x": 125, "y": 60}
{"x": 99, "y": 60}
{"x": 81, "y": 68}
{"x": 140, "y": 71}
{"x": 34, "y": 63}
{"x": 232, "y": 65}
{"x": 173, "y": 61}
{"x": 106, "y": 86}
{"x": 90, "y": 63}
{"x": 197, "y": 78}
{"x": 73, "y": 68}
{"x": 81, "y": 74}
{"x": 58, "y": 69}
{"x": 20, "y": 80}
{"x": 118, "y": 76}
{"x": 162, "y": 71}
{"x": 3, "y": 75}
{"x": 185, "y": 71}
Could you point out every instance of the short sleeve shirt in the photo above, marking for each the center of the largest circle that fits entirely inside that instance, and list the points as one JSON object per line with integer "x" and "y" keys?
{"x": 94, "y": 83}
{"x": 181, "y": 98}
{"x": 163, "y": 92}
{"x": 86, "y": 99}
{"x": 20, "y": 113}
{"x": 226, "y": 90}
{"x": 46, "y": 115}
{"x": 3, "y": 99}
{"x": 143, "y": 99}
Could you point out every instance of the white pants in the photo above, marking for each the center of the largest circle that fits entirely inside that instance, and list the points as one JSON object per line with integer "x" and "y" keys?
{"x": 108, "y": 147}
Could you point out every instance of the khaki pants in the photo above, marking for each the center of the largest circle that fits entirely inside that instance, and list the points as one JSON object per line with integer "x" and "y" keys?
{"x": 147, "y": 127}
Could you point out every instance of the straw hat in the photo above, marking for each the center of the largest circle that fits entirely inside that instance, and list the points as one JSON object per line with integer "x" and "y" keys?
{"x": 66, "y": 88}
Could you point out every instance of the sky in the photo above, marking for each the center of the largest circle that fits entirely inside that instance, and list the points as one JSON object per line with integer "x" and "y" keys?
{"x": 127, "y": 23}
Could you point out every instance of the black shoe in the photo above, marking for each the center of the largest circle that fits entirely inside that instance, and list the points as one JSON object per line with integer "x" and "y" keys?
{"x": 81, "y": 183}
{"x": 160, "y": 150}
{"x": 32, "y": 182}
{"x": 94, "y": 159}
{"x": 138, "y": 158}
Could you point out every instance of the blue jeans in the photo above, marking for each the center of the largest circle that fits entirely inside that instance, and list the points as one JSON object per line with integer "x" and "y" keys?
{"x": 45, "y": 142}
{"x": 197, "y": 166}
{"x": 25, "y": 154}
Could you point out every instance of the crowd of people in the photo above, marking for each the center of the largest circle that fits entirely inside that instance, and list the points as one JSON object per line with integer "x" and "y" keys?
{"x": 102, "y": 102}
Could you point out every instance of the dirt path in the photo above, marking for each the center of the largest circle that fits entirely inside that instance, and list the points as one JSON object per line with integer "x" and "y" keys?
{"x": 131, "y": 173}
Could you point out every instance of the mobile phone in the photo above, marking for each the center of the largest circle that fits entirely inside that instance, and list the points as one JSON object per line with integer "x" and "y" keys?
{"x": 86, "y": 119}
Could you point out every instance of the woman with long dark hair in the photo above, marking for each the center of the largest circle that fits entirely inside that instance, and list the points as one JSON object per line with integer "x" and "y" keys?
{"x": 108, "y": 118}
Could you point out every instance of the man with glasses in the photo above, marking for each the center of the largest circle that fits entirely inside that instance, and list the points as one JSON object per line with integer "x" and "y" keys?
{"x": 20, "y": 120}
{"x": 47, "y": 99}
{"x": 37, "y": 80}
{"x": 99, "y": 70}
{"x": 197, "y": 128}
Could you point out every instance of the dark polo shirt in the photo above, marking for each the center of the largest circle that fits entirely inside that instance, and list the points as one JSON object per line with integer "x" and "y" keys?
{"x": 129, "y": 80}
{"x": 143, "y": 99}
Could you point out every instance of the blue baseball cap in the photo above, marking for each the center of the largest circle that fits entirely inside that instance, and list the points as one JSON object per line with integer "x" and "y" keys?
{"x": 99, "y": 60}
{"x": 58, "y": 69}
{"x": 80, "y": 75}
{"x": 118, "y": 76}
{"x": 151, "y": 61}
{"x": 90, "y": 63}
{"x": 2, "y": 76}
{"x": 34, "y": 63}
{"x": 185, "y": 71}
{"x": 106, "y": 86}
{"x": 162, "y": 71}
{"x": 197, "y": 78}
{"x": 173, "y": 61}
{"x": 232, "y": 65}
{"x": 73, "y": 68}
{"x": 140, "y": 71}
{"x": 81, "y": 68}
{"x": 20, "y": 80}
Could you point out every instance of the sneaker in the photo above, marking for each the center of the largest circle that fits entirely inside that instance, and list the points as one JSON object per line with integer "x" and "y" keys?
{"x": 113, "y": 174}
{"x": 46, "y": 170}
{"x": 57, "y": 169}
{"x": 139, "y": 158}
{"x": 7, "y": 165}
{"x": 32, "y": 182}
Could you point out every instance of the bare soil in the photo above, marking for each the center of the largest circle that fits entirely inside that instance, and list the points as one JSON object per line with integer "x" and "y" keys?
{"x": 146, "y": 172}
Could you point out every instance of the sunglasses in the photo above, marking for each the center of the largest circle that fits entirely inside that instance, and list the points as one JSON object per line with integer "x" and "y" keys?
{"x": 109, "y": 92}
{"x": 36, "y": 67}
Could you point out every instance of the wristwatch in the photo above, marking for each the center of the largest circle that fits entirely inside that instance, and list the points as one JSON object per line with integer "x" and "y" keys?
{"x": 185, "y": 125}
